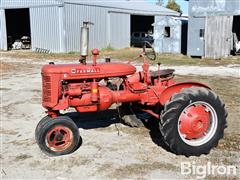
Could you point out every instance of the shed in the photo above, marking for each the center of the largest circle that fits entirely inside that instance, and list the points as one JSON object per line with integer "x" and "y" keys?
{"x": 55, "y": 24}
{"x": 214, "y": 28}
{"x": 170, "y": 35}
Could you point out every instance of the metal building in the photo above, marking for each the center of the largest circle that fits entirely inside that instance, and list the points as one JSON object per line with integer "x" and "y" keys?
{"x": 55, "y": 24}
{"x": 214, "y": 28}
{"x": 170, "y": 34}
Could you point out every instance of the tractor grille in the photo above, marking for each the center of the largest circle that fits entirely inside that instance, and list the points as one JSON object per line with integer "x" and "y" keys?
{"x": 46, "y": 88}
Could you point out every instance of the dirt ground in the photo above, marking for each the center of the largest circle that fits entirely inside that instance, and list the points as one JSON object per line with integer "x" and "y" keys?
{"x": 109, "y": 150}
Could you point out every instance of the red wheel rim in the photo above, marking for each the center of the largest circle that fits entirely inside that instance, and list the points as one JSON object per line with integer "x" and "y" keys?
{"x": 197, "y": 123}
{"x": 194, "y": 121}
{"x": 59, "y": 138}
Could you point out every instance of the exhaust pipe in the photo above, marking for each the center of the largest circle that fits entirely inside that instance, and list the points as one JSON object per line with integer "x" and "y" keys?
{"x": 84, "y": 43}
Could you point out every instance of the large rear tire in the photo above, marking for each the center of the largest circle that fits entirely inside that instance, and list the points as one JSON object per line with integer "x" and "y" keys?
{"x": 193, "y": 121}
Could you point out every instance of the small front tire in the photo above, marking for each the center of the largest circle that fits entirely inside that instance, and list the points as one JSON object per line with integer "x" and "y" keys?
{"x": 40, "y": 125}
{"x": 58, "y": 136}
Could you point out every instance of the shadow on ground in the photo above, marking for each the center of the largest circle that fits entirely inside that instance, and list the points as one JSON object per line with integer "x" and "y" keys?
{"x": 95, "y": 120}
{"x": 107, "y": 118}
{"x": 153, "y": 126}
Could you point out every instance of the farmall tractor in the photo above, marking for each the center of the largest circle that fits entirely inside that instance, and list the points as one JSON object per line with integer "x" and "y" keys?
{"x": 190, "y": 115}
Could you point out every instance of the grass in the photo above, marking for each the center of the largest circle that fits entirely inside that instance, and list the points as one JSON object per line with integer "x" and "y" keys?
{"x": 127, "y": 54}
{"x": 108, "y": 48}
{"x": 6, "y": 66}
{"x": 22, "y": 157}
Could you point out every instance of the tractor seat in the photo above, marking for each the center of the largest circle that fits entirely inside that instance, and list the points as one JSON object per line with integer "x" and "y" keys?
{"x": 163, "y": 73}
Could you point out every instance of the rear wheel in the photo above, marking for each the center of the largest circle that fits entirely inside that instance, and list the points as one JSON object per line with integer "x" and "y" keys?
{"x": 193, "y": 121}
{"x": 59, "y": 136}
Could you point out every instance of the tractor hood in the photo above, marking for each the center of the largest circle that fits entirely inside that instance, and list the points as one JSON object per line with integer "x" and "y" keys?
{"x": 103, "y": 70}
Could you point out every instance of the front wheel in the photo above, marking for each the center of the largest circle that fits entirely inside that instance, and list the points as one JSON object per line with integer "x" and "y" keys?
{"x": 193, "y": 121}
{"x": 58, "y": 136}
{"x": 40, "y": 125}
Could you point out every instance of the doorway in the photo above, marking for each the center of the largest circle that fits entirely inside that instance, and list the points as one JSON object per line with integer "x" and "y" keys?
{"x": 236, "y": 35}
{"x": 141, "y": 29}
{"x": 18, "y": 26}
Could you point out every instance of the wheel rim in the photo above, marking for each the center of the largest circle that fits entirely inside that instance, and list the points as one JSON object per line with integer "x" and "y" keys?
{"x": 59, "y": 138}
{"x": 197, "y": 123}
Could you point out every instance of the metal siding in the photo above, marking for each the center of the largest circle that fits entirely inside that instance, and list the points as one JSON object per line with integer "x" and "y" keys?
{"x": 164, "y": 44}
{"x": 218, "y": 36}
{"x": 3, "y": 33}
{"x": 119, "y": 30}
{"x": 100, "y": 32}
{"x": 195, "y": 43}
{"x": 57, "y": 27}
{"x": 62, "y": 32}
{"x": 214, "y": 7}
{"x": 45, "y": 28}
{"x": 11, "y": 4}
{"x": 125, "y": 6}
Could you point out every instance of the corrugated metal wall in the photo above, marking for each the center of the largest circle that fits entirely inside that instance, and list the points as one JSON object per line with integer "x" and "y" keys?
{"x": 57, "y": 28}
{"x": 106, "y": 29}
{"x": 211, "y": 16}
{"x": 195, "y": 42}
{"x": 218, "y": 36}
{"x": 214, "y": 7}
{"x": 3, "y": 35}
{"x": 75, "y": 15}
{"x": 7, "y": 4}
{"x": 45, "y": 28}
{"x": 46, "y": 23}
{"x": 55, "y": 25}
{"x": 140, "y": 7}
{"x": 119, "y": 30}
{"x": 170, "y": 44}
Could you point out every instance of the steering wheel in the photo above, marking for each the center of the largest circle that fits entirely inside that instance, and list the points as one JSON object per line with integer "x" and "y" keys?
{"x": 150, "y": 52}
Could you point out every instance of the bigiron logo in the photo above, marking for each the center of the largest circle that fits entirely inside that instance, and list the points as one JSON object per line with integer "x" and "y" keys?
{"x": 84, "y": 71}
{"x": 208, "y": 169}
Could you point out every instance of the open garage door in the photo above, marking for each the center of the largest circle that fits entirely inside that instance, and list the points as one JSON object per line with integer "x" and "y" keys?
{"x": 141, "y": 29}
{"x": 18, "y": 26}
{"x": 236, "y": 35}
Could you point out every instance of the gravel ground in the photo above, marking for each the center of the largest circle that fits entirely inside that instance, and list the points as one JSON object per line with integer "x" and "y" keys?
{"x": 110, "y": 150}
{"x": 231, "y": 70}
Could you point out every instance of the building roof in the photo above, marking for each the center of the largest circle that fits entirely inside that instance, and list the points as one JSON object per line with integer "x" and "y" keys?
{"x": 126, "y": 6}
{"x": 14, "y": 4}
{"x": 130, "y": 6}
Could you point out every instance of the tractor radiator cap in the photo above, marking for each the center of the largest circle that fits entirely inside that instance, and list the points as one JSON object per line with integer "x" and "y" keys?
{"x": 51, "y": 63}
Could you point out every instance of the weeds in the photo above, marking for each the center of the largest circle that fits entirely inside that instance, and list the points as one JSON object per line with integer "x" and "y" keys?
{"x": 128, "y": 54}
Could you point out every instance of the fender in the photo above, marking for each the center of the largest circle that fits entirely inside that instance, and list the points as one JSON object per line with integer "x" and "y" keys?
{"x": 169, "y": 91}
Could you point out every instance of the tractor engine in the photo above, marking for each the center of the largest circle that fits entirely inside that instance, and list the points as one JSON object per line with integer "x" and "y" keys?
{"x": 78, "y": 85}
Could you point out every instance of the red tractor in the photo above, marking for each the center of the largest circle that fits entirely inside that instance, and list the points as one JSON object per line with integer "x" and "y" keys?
{"x": 191, "y": 116}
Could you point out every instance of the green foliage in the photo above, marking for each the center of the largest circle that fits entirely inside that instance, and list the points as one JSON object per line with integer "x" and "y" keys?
{"x": 108, "y": 48}
{"x": 72, "y": 52}
{"x": 174, "y": 6}
{"x": 160, "y": 2}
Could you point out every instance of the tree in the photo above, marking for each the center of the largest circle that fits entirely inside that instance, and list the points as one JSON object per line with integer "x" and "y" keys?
{"x": 174, "y": 6}
{"x": 160, "y": 3}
